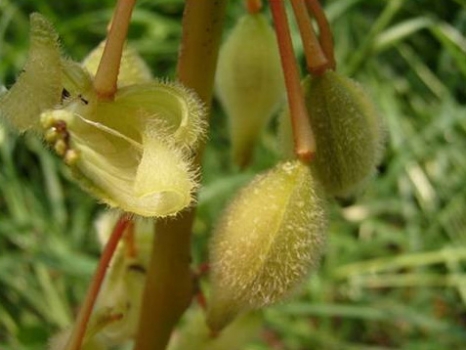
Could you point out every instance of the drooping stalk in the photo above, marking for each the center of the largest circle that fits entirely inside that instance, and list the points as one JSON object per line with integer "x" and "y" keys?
{"x": 105, "y": 82}
{"x": 169, "y": 284}
{"x": 317, "y": 62}
{"x": 302, "y": 131}
{"x": 79, "y": 329}
{"x": 325, "y": 33}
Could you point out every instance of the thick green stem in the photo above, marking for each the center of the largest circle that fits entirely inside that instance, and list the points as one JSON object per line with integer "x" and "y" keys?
{"x": 170, "y": 285}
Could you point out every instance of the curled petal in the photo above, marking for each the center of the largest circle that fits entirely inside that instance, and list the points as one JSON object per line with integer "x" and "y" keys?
{"x": 133, "y": 152}
{"x": 170, "y": 105}
{"x": 163, "y": 178}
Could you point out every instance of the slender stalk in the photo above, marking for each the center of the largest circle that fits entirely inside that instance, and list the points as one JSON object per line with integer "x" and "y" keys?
{"x": 302, "y": 131}
{"x": 316, "y": 61}
{"x": 253, "y": 6}
{"x": 105, "y": 82}
{"x": 170, "y": 285}
{"x": 79, "y": 330}
{"x": 325, "y": 33}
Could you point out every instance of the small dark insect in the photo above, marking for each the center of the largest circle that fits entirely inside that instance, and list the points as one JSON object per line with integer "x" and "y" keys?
{"x": 83, "y": 100}
{"x": 65, "y": 94}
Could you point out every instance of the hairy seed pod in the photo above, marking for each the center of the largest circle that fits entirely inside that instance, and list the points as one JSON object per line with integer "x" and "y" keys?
{"x": 249, "y": 82}
{"x": 39, "y": 86}
{"x": 348, "y": 132}
{"x": 267, "y": 241}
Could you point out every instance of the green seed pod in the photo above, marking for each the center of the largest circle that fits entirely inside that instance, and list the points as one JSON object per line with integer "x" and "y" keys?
{"x": 269, "y": 238}
{"x": 348, "y": 132}
{"x": 133, "y": 152}
{"x": 39, "y": 86}
{"x": 249, "y": 82}
{"x": 133, "y": 69}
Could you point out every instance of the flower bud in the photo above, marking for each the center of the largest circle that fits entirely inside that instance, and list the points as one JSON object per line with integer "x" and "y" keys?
{"x": 249, "y": 82}
{"x": 39, "y": 85}
{"x": 269, "y": 238}
{"x": 348, "y": 132}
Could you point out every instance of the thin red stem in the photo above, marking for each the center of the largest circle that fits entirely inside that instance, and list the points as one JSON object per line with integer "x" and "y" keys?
{"x": 302, "y": 131}
{"x": 316, "y": 61}
{"x": 105, "y": 82}
{"x": 79, "y": 330}
{"x": 325, "y": 33}
{"x": 253, "y": 6}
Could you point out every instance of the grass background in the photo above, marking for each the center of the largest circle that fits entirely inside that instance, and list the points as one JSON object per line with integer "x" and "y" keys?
{"x": 393, "y": 275}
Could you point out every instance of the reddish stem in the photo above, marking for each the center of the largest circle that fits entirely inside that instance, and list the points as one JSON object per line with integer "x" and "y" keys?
{"x": 316, "y": 61}
{"x": 302, "y": 131}
{"x": 325, "y": 33}
{"x": 79, "y": 330}
{"x": 254, "y": 6}
{"x": 105, "y": 82}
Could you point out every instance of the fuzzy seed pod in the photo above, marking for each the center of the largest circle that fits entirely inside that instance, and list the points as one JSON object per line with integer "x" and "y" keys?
{"x": 39, "y": 86}
{"x": 249, "y": 82}
{"x": 348, "y": 132}
{"x": 269, "y": 238}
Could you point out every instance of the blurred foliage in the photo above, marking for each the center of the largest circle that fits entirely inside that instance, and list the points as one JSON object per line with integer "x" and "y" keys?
{"x": 394, "y": 273}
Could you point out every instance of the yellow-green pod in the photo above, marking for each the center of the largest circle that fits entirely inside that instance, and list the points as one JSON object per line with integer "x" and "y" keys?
{"x": 249, "y": 82}
{"x": 39, "y": 86}
{"x": 269, "y": 238}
